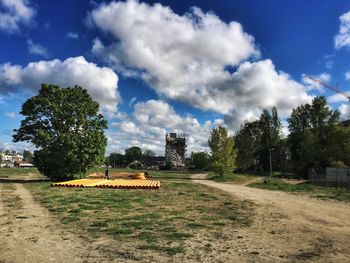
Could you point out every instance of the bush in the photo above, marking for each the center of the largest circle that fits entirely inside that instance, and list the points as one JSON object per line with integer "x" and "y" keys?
{"x": 338, "y": 164}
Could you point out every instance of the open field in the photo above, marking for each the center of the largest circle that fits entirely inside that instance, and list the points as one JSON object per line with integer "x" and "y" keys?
{"x": 184, "y": 221}
{"x": 146, "y": 222}
{"x": 163, "y": 174}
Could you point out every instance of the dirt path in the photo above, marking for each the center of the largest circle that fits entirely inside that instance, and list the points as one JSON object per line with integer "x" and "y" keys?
{"x": 291, "y": 228}
{"x": 29, "y": 234}
{"x": 199, "y": 176}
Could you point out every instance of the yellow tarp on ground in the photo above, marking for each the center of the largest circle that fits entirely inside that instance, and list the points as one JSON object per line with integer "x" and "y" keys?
{"x": 119, "y": 183}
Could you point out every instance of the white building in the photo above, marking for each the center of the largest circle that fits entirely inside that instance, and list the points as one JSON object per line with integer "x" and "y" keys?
{"x": 8, "y": 159}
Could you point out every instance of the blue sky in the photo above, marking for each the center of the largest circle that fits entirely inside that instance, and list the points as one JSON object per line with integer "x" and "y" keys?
{"x": 183, "y": 66}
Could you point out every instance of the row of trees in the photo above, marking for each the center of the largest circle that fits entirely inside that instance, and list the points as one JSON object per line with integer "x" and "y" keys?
{"x": 68, "y": 131}
{"x": 316, "y": 139}
{"x": 131, "y": 154}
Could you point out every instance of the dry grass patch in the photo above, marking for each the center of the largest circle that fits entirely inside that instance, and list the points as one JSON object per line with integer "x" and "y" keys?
{"x": 10, "y": 199}
{"x": 146, "y": 222}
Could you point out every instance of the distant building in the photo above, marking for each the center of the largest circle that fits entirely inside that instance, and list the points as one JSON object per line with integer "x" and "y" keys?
{"x": 175, "y": 150}
{"x": 8, "y": 159}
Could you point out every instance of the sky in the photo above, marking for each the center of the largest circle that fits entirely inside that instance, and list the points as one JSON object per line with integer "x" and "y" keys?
{"x": 174, "y": 66}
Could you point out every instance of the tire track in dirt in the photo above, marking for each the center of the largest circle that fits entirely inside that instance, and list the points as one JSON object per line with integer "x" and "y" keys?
{"x": 30, "y": 234}
{"x": 291, "y": 228}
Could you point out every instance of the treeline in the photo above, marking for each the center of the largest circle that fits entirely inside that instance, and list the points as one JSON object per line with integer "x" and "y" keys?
{"x": 133, "y": 153}
{"x": 316, "y": 139}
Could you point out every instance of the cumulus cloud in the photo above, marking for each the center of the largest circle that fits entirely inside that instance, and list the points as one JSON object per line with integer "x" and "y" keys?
{"x": 336, "y": 98}
{"x": 312, "y": 85}
{"x": 37, "y": 49}
{"x": 149, "y": 123}
{"x": 344, "y": 110}
{"x": 14, "y": 13}
{"x": 186, "y": 58}
{"x": 130, "y": 127}
{"x": 342, "y": 39}
{"x": 101, "y": 82}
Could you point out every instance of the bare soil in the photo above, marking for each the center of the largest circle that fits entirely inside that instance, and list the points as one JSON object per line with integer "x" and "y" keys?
{"x": 290, "y": 228}
{"x": 29, "y": 234}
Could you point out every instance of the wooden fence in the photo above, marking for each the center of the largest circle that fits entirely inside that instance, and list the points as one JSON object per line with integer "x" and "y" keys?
{"x": 332, "y": 177}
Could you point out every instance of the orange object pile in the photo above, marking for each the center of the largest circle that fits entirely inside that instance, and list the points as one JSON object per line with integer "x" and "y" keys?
{"x": 118, "y": 183}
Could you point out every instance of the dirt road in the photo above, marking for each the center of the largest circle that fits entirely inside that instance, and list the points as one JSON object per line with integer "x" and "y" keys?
{"x": 29, "y": 234}
{"x": 291, "y": 228}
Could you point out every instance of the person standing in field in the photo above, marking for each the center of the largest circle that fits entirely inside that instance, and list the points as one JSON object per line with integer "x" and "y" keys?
{"x": 106, "y": 174}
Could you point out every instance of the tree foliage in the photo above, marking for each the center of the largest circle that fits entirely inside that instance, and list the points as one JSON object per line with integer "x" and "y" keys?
{"x": 133, "y": 153}
{"x": 200, "y": 160}
{"x": 312, "y": 129}
{"x": 115, "y": 159}
{"x": 247, "y": 143}
{"x": 222, "y": 156}
{"x": 66, "y": 129}
{"x": 270, "y": 128}
{"x": 27, "y": 156}
{"x": 255, "y": 139}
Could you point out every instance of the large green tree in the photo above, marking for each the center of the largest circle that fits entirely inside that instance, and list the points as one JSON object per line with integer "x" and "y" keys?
{"x": 270, "y": 128}
{"x": 256, "y": 139}
{"x": 338, "y": 148}
{"x": 222, "y": 157}
{"x": 200, "y": 160}
{"x": 247, "y": 143}
{"x": 116, "y": 159}
{"x": 312, "y": 127}
{"x": 27, "y": 156}
{"x": 67, "y": 130}
{"x": 133, "y": 153}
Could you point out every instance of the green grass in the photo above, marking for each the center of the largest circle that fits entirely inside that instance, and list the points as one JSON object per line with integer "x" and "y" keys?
{"x": 152, "y": 173}
{"x": 166, "y": 249}
{"x": 158, "y": 220}
{"x": 20, "y": 173}
{"x": 314, "y": 190}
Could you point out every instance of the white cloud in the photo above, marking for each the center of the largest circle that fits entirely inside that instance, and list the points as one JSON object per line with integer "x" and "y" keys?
{"x": 149, "y": 123}
{"x": 312, "y": 85}
{"x": 18, "y": 147}
{"x": 344, "y": 110}
{"x": 185, "y": 58}
{"x": 72, "y": 35}
{"x": 10, "y": 75}
{"x": 130, "y": 127}
{"x": 101, "y": 82}
{"x": 168, "y": 37}
{"x": 342, "y": 39}
{"x": 11, "y": 114}
{"x": 336, "y": 98}
{"x": 329, "y": 60}
{"x": 37, "y": 49}
{"x": 14, "y": 13}
{"x": 347, "y": 75}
